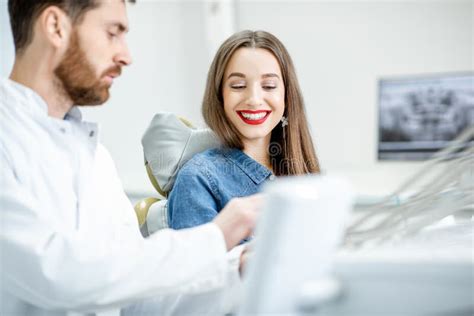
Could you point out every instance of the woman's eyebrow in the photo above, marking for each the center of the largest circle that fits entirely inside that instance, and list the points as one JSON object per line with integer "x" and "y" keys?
{"x": 269, "y": 75}
{"x": 241, "y": 75}
{"x": 236, "y": 74}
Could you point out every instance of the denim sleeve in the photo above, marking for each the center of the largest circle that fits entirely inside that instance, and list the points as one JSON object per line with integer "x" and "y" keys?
{"x": 191, "y": 202}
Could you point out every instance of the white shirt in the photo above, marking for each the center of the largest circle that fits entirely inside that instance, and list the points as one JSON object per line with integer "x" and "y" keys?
{"x": 69, "y": 238}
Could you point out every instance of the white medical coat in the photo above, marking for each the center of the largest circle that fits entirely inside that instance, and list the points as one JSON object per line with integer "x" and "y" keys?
{"x": 69, "y": 238}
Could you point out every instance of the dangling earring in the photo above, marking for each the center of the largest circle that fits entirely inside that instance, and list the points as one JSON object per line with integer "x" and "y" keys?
{"x": 284, "y": 122}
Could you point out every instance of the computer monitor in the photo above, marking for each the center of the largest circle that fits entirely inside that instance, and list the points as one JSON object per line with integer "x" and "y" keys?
{"x": 420, "y": 115}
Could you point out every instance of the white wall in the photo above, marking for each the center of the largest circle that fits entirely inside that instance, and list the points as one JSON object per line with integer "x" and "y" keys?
{"x": 340, "y": 48}
{"x": 6, "y": 41}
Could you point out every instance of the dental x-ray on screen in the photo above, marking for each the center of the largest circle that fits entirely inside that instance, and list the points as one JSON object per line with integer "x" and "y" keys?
{"x": 420, "y": 115}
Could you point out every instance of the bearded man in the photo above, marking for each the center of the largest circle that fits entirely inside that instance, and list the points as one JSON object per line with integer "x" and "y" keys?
{"x": 69, "y": 238}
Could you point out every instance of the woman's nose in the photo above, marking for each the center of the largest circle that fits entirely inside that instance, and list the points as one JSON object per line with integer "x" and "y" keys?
{"x": 254, "y": 97}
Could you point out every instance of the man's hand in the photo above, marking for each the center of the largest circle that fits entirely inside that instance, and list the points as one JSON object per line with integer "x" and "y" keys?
{"x": 244, "y": 257}
{"x": 237, "y": 220}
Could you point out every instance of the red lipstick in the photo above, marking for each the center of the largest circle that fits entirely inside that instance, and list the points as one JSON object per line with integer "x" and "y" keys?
{"x": 246, "y": 116}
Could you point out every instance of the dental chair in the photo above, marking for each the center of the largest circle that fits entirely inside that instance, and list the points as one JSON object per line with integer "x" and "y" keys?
{"x": 168, "y": 143}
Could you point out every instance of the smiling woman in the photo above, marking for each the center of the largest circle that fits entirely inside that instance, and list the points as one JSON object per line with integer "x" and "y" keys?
{"x": 254, "y": 99}
{"x": 253, "y": 103}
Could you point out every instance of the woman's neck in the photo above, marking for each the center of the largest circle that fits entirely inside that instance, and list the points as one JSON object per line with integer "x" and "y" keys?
{"x": 258, "y": 150}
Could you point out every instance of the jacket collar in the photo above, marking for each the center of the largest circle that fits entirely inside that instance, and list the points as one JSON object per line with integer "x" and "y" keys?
{"x": 254, "y": 170}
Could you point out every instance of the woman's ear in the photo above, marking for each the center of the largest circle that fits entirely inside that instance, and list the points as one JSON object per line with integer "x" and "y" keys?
{"x": 55, "y": 25}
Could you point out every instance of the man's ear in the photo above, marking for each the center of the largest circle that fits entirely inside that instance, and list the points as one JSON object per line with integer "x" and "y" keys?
{"x": 56, "y": 26}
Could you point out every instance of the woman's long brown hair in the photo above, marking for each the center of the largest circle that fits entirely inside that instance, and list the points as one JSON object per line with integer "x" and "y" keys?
{"x": 291, "y": 150}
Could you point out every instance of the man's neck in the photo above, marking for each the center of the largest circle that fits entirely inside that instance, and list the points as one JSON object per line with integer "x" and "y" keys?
{"x": 39, "y": 76}
{"x": 259, "y": 151}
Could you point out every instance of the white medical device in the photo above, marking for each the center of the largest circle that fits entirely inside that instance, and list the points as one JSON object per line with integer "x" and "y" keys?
{"x": 300, "y": 229}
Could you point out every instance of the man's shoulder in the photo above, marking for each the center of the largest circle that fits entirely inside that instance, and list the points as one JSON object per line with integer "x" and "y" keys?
{"x": 5, "y": 96}
{"x": 12, "y": 93}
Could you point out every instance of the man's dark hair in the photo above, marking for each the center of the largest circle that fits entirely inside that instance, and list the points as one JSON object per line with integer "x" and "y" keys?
{"x": 23, "y": 15}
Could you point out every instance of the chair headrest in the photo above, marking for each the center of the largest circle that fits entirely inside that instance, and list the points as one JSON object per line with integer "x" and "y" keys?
{"x": 168, "y": 143}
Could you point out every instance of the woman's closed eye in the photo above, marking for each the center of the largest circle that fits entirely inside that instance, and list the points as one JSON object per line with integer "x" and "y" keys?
{"x": 265, "y": 86}
{"x": 269, "y": 85}
{"x": 238, "y": 86}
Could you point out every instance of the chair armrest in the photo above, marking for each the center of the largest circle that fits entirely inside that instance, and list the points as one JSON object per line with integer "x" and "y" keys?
{"x": 142, "y": 209}
{"x": 157, "y": 217}
{"x": 152, "y": 214}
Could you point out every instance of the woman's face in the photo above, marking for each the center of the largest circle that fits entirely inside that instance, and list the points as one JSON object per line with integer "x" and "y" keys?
{"x": 254, "y": 93}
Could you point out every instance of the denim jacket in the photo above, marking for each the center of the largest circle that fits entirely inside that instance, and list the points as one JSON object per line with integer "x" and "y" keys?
{"x": 207, "y": 182}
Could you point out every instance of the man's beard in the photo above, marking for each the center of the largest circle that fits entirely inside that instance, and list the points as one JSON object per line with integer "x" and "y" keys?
{"x": 78, "y": 77}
